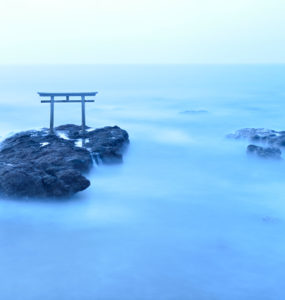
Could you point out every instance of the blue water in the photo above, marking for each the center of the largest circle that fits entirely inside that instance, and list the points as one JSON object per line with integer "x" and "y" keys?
{"x": 186, "y": 216}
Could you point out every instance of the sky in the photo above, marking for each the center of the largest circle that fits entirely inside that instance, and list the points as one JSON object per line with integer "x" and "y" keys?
{"x": 142, "y": 31}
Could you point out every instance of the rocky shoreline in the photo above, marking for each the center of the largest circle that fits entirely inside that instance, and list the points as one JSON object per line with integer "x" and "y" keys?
{"x": 39, "y": 164}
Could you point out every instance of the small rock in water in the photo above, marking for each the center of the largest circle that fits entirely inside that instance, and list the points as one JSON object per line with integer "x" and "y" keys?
{"x": 264, "y": 152}
{"x": 263, "y": 135}
{"x": 38, "y": 164}
{"x": 268, "y": 219}
{"x": 274, "y": 139}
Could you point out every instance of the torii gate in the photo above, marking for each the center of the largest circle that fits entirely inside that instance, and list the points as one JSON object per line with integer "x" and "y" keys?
{"x": 67, "y": 100}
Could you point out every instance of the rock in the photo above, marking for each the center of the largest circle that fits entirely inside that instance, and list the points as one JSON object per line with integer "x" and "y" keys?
{"x": 268, "y": 219}
{"x": 264, "y": 152}
{"x": 37, "y": 164}
{"x": 274, "y": 139}
{"x": 263, "y": 135}
{"x": 105, "y": 144}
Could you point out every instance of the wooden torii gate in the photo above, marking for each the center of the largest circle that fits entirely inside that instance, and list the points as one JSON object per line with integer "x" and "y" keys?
{"x": 67, "y": 99}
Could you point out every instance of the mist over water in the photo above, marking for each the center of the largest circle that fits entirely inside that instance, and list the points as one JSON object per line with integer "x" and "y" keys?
{"x": 186, "y": 216}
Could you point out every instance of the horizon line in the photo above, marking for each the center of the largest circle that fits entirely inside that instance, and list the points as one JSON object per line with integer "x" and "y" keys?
{"x": 142, "y": 64}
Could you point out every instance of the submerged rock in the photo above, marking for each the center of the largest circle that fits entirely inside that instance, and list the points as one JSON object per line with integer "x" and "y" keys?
{"x": 35, "y": 163}
{"x": 262, "y": 135}
{"x": 274, "y": 139}
{"x": 264, "y": 152}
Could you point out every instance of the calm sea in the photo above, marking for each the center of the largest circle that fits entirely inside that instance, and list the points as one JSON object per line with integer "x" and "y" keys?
{"x": 186, "y": 216}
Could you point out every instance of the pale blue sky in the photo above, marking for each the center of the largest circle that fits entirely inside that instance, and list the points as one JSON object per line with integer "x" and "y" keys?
{"x": 148, "y": 31}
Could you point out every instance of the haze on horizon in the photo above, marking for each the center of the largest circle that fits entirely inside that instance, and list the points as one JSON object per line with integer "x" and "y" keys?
{"x": 145, "y": 31}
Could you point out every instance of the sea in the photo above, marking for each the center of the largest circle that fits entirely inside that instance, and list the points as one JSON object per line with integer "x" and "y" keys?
{"x": 188, "y": 215}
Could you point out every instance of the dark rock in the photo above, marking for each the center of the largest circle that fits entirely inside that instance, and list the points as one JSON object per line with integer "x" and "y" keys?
{"x": 105, "y": 144}
{"x": 269, "y": 152}
{"x": 72, "y": 131}
{"x": 35, "y": 163}
{"x": 262, "y": 135}
{"x": 272, "y": 138}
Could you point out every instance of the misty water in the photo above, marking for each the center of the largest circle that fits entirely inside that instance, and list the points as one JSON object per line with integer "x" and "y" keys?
{"x": 188, "y": 215}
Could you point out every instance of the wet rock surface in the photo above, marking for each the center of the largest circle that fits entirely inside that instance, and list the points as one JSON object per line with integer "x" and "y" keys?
{"x": 264, "y": 152}
{"x": 37, "y": 164}
{"x": 272, "y": 139}
{"x": 262, "y": 135}
{"x": 105, "y": 144}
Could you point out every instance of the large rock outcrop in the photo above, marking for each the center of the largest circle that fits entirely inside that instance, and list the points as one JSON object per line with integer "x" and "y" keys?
{"x": 38, "y": 164}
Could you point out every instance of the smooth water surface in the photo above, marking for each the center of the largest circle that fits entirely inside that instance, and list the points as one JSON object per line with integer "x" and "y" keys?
{"x": 186, "y": 216}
